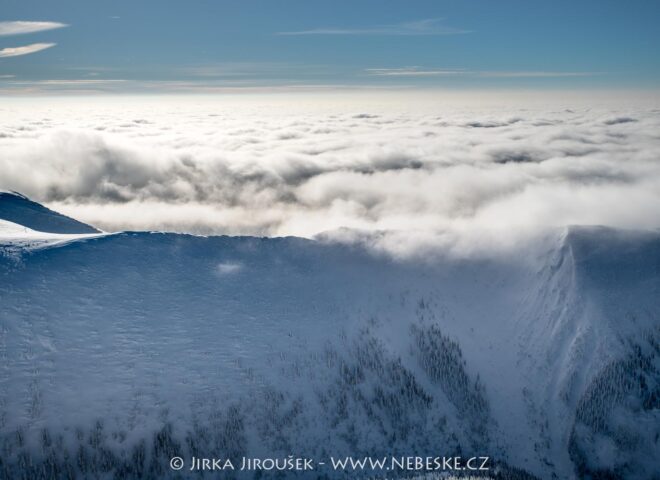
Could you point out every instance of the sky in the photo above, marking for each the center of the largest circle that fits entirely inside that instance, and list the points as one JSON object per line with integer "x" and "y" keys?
{"x": 204, "y": 45}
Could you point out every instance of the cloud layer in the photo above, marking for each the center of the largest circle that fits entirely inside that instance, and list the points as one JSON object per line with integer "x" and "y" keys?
{"x": 433, "y": 175}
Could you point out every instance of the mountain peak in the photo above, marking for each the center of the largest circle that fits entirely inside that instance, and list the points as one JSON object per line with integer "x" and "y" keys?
{"x": 17, "y": 208}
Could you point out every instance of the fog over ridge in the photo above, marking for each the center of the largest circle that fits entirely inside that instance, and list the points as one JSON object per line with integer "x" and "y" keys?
{"x": 440, "y": 173}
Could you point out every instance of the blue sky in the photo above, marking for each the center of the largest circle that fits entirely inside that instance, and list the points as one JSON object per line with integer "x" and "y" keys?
{"x": 198, "y": 44}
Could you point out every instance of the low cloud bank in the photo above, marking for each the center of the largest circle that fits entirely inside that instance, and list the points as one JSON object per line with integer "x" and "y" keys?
{"x": 439, "y": 177}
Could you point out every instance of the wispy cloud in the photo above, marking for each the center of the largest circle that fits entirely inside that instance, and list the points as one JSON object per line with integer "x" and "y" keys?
{"x": 21, "y": 27}
{"x": 533, "y": 74}
{"x": 413, "y": 72}
{"x": 429, "y": 26}
{"x": 14, "y": 86}
{"x": 65, "y": 82}
{"x": 430, "y": 72}
{"x": 24, "y": 50}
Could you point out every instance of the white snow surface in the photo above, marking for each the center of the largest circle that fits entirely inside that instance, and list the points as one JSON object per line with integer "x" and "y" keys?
{"x": 139, "y": 332}
{"x": 14, "y": 236}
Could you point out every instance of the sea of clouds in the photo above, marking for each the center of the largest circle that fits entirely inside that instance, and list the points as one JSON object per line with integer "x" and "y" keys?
{"x": 406, "y": 175}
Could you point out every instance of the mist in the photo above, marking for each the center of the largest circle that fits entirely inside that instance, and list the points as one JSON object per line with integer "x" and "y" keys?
{"x": 438, "y": 174}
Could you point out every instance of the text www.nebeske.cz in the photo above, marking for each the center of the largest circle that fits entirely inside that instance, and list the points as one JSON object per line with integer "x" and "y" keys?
{"x": 291, "y": 463}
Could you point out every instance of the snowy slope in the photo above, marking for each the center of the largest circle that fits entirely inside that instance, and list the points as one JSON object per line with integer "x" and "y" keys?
{"x": 17, "y": 238}
{"x": 120, "y": 351}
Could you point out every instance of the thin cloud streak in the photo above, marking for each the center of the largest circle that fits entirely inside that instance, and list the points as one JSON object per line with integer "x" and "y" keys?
{"x": 24, "y": 50}
{"x": 418, "y": 72}
{"x": 431, "y": 26}
{"x": 411, "y": 72}
{"x": 533, "y": 74}
{"x": 22, "y": 27}
{"x": 71, "y": 82}
{"x": 18, "y": 87}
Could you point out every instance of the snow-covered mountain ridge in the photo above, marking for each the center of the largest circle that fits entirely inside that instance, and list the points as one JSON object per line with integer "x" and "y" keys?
{"x": 19, "y": 209}
{"x": 122, "y": 350}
